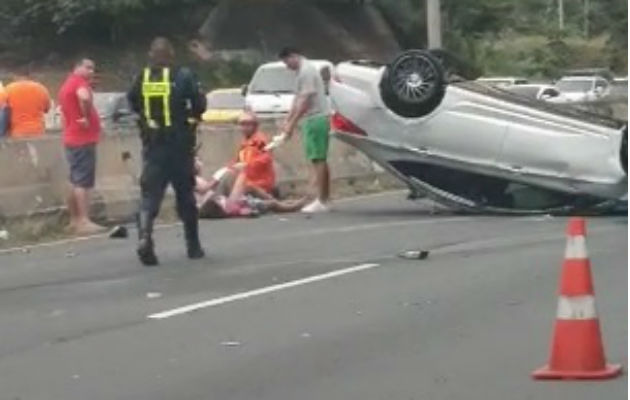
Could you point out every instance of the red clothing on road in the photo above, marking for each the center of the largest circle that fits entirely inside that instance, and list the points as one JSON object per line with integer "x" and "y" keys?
{"x": 74, "y": 135}
{"x": 259, "y": 170}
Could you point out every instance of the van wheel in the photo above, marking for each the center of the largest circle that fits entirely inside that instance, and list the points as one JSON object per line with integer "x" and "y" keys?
{"x": 413, "y": 85}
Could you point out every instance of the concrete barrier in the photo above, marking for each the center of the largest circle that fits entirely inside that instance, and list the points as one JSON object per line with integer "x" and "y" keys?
{"x": 33, "y": 173}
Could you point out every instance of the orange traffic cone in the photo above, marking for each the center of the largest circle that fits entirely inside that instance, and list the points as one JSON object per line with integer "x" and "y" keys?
{"x": 577, "y": 351}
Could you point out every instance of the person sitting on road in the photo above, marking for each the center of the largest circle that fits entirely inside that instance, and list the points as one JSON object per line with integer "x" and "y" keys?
{"x": 252, "y": 159}
{"x": 222, "y": 196}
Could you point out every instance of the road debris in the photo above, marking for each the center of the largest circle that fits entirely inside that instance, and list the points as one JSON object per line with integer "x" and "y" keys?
{"x": 4, "y": 234}
{"x": 305, "y": 335}
{"x": 57, "y": 313}
{"x": 154, "y": 295}
{"x": 414, "y": 254}
{"x": 119, "y": 232}
{"x": 70, "y": 254}
{"x": 231, "y": 343}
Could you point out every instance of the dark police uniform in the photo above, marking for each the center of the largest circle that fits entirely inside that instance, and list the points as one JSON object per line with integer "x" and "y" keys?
{"x": 169, "y": 102}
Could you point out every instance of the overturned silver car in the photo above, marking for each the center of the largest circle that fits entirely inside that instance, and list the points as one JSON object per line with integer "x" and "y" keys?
{"x": 477, "y": 148}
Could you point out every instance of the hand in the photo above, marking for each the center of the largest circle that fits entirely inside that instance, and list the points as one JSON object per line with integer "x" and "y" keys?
{"x": 276, "y": 141}
{"x": 239, "y": 166}
{"x": 83, "y": 123}
{"x": 217, "y": 176}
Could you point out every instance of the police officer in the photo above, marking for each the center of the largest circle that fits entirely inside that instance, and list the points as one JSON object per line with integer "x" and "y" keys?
{"x": 169, "y": 103}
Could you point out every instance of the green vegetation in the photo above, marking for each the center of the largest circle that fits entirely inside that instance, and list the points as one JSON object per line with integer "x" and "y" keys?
{"x": 523, "y": 37}
{"x": 516, "y": 37}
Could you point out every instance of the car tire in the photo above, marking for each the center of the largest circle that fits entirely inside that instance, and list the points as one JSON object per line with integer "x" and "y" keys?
{"x": 414, "y": 84}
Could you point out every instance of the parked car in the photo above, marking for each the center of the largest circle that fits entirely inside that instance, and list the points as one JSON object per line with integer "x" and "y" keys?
{"x": 535, "y": 91}
{"x": 620, "y": 87}
{"x": 114, "y": 109}
{"x": 502, "y": 81}
{"x": 576, "y": 89}
{"x": 272, "y": 88}
{"x": 475, "y": 147}
{"x": 224, "y": 106}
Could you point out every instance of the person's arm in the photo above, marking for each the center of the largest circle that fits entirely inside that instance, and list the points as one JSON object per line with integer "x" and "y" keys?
{"x": 194, "y": 94}
{"x": 134, "y": 94}
{"x": 46, "y": 98}
{"x": 85, "y": 103}
{"x": 301, "y": 106}
{"x": 301, "y": 103}
{"x": 202, "y": 186}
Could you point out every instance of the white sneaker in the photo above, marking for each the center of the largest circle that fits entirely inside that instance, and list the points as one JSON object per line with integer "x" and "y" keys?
{"x": 315, "y": 207}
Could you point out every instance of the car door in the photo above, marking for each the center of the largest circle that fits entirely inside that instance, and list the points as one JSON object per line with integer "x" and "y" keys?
{"x": 536, "y": 145}
{"x": 470, "y": 129}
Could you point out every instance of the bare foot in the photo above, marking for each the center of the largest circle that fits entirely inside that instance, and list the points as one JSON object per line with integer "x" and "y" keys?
{"x": 89, "y": 228}
{"x": 71, "y": 228}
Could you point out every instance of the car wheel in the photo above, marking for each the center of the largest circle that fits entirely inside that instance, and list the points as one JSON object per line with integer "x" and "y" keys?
{"x": 413, "y": 85}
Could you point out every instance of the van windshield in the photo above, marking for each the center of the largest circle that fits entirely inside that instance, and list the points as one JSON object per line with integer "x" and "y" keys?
{"x": 273, "y": 80}
{"x": 574, "y": 85}
{"x": 225, "y": 101}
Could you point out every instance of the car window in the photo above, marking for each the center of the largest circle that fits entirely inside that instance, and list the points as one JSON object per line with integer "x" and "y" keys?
{"x": 106, "y": 104}
{"x": 526, "y": 91}
{"x": 273, "y": 80}
{"x": 223, "y": 101}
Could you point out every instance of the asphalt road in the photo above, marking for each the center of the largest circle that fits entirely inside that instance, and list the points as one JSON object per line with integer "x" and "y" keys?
{"x": 295, "y": 308}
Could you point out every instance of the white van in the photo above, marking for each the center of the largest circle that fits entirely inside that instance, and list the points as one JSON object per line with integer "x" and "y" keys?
{"x": 272, "y": 88}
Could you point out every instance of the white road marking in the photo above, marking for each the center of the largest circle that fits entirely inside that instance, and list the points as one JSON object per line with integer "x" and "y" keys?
{"x": 259, "y": 292}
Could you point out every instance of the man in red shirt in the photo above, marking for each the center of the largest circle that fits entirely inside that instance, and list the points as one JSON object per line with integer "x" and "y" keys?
{"x": 81, "y": 131}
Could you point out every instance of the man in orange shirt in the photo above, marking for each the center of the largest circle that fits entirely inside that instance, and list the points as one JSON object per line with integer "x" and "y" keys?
{"x": 28, "y": 102}
{"x": 253, "y": 161}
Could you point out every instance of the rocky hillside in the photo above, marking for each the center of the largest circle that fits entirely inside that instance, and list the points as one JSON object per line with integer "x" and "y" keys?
{"x": 332, "y": 31}
{"x": 224, "y": 42}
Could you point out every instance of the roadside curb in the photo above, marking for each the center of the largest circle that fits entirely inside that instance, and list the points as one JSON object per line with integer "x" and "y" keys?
{"x": 47, "y": 225}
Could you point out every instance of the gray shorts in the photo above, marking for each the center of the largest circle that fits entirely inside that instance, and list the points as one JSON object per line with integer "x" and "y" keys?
{"x": 82, "y": 162}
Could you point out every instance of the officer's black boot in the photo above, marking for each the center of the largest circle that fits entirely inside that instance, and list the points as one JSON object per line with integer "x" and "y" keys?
{"x": 146, "y": 252}
{"x": 191, "y": 232}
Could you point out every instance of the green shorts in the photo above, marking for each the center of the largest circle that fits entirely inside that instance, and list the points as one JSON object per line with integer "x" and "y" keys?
{"x": 315, "y": 136}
